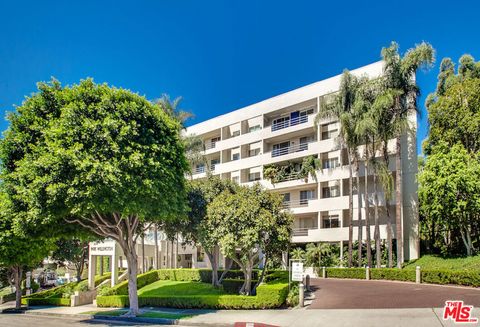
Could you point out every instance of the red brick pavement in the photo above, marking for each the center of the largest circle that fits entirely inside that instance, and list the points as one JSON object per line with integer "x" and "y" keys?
{"x": 369, "y": 294}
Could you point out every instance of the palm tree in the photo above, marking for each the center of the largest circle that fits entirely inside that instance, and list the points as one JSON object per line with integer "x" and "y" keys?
{"x": 366, "y": 130}
{"x": 314, "y": 253}
{"x": 297, "y": 254}
{"x": 399, "y": 73}
{"x": 171, "y": 108}
{"x": 339, "y": 106}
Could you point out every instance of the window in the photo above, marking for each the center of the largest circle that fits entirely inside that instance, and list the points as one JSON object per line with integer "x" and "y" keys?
{"x": 303, "y": 144}
{"x": 280, "y": 123}
{"x": 331, "y": 191}
{"x": 305, "y": 196}
{"x": 254, "y": 128}
{"x": 286, "y": 197}
{"x": 280, "y": 149}
{"x": 306, "y": 112}
{"x": 252, "y": 177}
{"x": 330, "y": 222}
{"x": 236, "y": 179}
{"x": 213, "y": 163}
{"x": 329, "y": 134}
{"x": 331, "y": 163}
{"x": 235, "y": 133}
{"x": 200, "y": 168}
{"x": 254, "y": 152}
{"x": 235, "y": 156}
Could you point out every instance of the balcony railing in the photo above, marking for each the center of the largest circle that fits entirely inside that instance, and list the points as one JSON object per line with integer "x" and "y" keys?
{"x": 210, "y": 145}
{"x": 301, "y": 231}
{"x": 199, "y": 170}
{"x": 290, "y": 122}
{"x": 289, "y": 149}
{"x": 296, "y": 203}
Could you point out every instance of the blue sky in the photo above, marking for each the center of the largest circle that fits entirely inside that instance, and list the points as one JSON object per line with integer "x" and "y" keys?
{"x": 218, "y": 55}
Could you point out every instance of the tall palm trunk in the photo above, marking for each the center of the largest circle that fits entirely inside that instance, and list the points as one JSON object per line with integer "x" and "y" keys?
{"x": 359, "y": 215}
{"x": 350, "y": 209}
{"x": 376, "y": 236}
{"x": 387, "y": 210}
{"x": 367, "y": 214}
{"x": 398, "y": 208}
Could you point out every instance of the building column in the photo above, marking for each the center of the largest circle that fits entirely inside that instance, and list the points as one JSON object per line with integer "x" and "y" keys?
{"x": 341, "y": 253}
{"x": 284, "y": 260}
{"x": 92, "y": 267}
{"x": 114, "y": 269}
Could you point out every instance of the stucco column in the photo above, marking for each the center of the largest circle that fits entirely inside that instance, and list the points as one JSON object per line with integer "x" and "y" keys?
{"x": 341, "y": 253}
{"x": 92, "y": 267}
{"x": 114, "y": 269}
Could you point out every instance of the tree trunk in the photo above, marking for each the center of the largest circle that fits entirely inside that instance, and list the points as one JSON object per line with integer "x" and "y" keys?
{"x": 350, "y": 210}
{"x": 212, "y": 256}
{"x": 378, "y": 248}
{"x": 262, "y": 276}
{"x": 228, "y": 266}
{"x": 18, "y": 286}
{"x": 367, "y": 216}
{"x": 387, "y": 209}
{"x": 248, "y": 280}
{"x": 132, "y": 281}
{"x": 398, "y": 208}
{"x": 171, "y": 254}
{"x": 176, "y": 252}
{"x": 359, "y": 216}
{"x": 155, "y": 236}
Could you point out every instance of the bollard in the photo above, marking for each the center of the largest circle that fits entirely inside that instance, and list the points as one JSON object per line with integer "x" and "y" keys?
{"x": 301, "y": 295}
{"x": 367, "y": 273}
{"x": 324, "y": 272}
{"x": 418, "y": 275}
{"x": 307, "y": 283}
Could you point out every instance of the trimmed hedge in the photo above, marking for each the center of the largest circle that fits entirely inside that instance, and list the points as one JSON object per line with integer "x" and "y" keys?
{"x": 432, "y": 276}
{"x": 354, "y": 273}
{"x": 233, "y": 286}
{"x": 392, "y": 274}
{"x": 268, "y": 296}
{"x": 47, "y": 301}
{"x": 60, "y": 295}
{"x": 185, "y": 275}
{"x": 439, "y": 276}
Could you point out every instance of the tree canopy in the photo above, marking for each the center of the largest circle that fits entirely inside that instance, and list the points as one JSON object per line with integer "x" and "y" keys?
{"x": 102, "y": 157}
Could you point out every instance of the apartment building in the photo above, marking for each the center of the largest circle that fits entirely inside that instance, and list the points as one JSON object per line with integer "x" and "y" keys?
{"x": 280, "y": 133}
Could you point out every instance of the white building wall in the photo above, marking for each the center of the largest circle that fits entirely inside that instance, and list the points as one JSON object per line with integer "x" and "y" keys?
{"x": 323, "y": 143}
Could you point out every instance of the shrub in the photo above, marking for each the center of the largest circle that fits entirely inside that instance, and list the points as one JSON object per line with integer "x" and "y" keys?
{"x": 47, "y": 301}
{"x": 355, "y": 273}
{"x": 268, "y": 296}
{"x": 392, "y": 274}
{"x": 293, "y": 296}
{"x": 438, "y": 276}
{"x": 233, "y": 286}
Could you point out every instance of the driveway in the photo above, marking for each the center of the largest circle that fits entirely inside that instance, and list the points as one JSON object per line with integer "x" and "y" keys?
{"x": 369, "y": 294}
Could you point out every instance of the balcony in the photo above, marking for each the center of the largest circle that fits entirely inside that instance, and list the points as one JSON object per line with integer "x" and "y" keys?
{"x": 296, "y": 203}
{"x": 300, "y": 231}
{"x": 210, "y": 145}
{"x": 199, "y": 170}
{"x": 290, "y": 122}
{"x": 289, "y": 149}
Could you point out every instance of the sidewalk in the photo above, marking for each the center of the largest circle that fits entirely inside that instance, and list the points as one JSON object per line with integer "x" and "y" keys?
{"x": 281, "y": 317}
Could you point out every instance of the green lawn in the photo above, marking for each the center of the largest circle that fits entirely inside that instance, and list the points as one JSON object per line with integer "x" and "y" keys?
{"x": 169, "y": 287}
{"x": 436, "y": 262}
{"x": 148, "y": 314}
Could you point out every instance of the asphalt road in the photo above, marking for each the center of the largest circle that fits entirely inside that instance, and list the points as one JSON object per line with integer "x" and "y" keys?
{"x": 364, "y": 294}
{"x": 21, "y": 320}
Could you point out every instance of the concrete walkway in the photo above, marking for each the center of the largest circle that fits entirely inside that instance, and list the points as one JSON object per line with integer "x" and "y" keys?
{"x": 425, "y": 317}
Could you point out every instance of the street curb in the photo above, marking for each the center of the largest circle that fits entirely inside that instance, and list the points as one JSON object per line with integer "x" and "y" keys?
{"x": 158, "y": 321}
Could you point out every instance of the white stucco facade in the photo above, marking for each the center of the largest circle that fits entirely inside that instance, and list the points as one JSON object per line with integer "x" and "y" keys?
{"x": 281, "y": 130}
